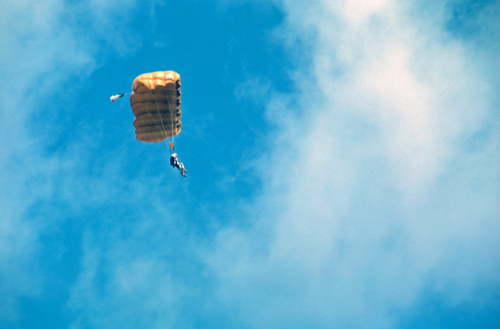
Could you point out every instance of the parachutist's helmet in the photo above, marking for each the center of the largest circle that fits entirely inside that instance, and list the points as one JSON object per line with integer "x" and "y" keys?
{"x": 174, "y": 155}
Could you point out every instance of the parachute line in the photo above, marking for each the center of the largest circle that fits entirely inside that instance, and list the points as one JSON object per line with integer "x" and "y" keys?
{"x": 172, "y": 116}
{"x": 171, "y": 112}
{"x": 163, "y": 129}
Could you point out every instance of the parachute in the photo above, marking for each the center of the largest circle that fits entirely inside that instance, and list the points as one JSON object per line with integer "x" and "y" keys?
{"x": 156, "y": 104}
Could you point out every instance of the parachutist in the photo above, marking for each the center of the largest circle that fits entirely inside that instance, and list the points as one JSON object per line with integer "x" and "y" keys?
{"x": 115, "y": 97}
{"x": 174, "y": 162}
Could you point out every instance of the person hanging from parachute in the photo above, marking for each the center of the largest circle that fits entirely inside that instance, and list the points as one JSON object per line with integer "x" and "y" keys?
{"x": 174, "y": 162}
{"x": 156, "y": 104}
{"x": 115, "y": 97}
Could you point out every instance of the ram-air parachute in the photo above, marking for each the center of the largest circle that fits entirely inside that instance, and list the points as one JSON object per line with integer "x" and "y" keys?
{"x": 156, "y": 104}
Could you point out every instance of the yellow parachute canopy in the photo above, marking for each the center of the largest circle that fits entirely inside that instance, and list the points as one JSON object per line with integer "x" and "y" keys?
{"x": 156, "y": 103}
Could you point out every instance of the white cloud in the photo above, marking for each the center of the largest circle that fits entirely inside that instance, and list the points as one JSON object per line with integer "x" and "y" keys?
{"x": 43, "y": 47}
{"x": 138, "y": 275}
{"x": 375, "y": 196}
{"x": 358, "y": 11}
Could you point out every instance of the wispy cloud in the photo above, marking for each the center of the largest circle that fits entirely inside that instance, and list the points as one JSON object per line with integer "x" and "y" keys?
{"x": 384, "y": 188}
{"x": 43, "y": 47}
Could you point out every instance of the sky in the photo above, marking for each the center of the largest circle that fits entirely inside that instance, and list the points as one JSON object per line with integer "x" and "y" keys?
{"x": 342, "y": 156}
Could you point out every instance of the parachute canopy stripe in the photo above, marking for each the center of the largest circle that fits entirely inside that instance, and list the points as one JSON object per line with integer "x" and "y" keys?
{"x": 156, "y": 103}
{"x": 153, "y": 137}
{"x": 155, "y": 120}
{"x": 141, "y": 108}
{"x": 149, "y": 129}
{"x": 159, "y": 97}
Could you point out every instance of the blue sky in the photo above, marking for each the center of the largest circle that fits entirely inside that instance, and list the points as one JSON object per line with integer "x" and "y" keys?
{"x": 342, "y": 165}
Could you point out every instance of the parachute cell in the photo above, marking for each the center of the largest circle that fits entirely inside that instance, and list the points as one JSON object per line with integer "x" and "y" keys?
{"x": 156, "y": 104}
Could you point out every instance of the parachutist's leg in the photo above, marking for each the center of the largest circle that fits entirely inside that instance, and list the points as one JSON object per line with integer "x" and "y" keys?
{"x": 182, "y": 170}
